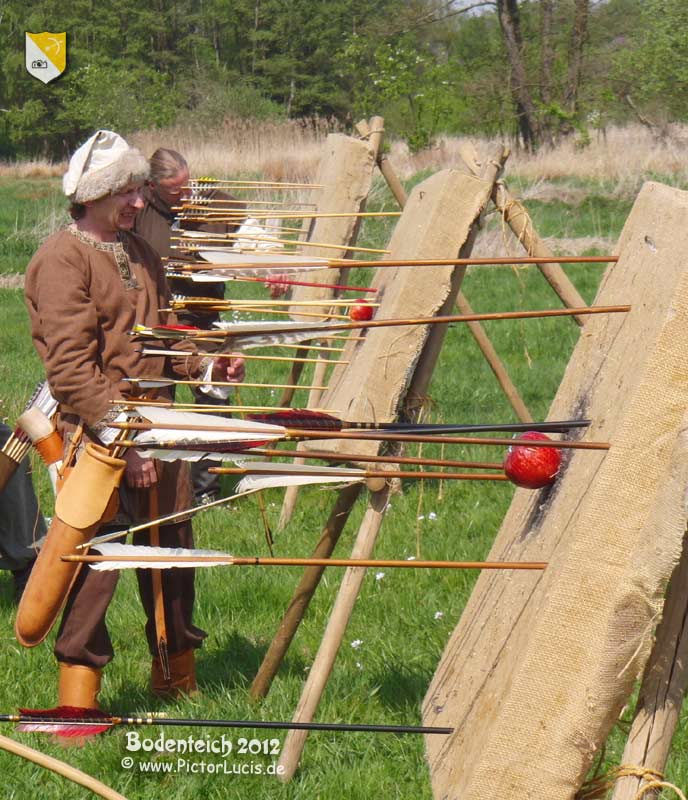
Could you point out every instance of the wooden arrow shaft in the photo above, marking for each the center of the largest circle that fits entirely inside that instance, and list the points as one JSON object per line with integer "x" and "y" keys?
{"x": 347, "y": 458}
{"x": 344, "y": 474}
{"x": 459, "y": 262}
{"x": 350, "y": 458}
{"x": 254, "y": 308}
{"x": 442, "y": 320}
{"x": 258, "y": 237}
{"x": 313, "y": 562}
{"x": 218, "y": 215}
{"x": 242, "y": 304}
{"x": 174, "y": 264}
{"x": 230, "y": 408}
{"x": 196, "y": 184}
{"x": 246, "y": 202}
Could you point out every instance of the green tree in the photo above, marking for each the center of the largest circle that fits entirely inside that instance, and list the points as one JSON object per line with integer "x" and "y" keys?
{"x": 411, "y": 88}
{"x": 653, "y": 69}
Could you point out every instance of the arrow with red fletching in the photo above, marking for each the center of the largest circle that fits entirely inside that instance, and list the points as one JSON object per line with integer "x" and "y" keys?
{"x": 68, "y": 721}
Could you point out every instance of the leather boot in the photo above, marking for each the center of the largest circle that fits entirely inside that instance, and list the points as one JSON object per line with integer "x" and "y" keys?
{"x": 78, "y": 686}
{"x": 182, "y": 675}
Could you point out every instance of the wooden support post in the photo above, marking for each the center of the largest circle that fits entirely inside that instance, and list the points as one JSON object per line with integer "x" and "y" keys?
{"x": 319, "y": 673}
{"x": 496, "y": 365}
{"x": 60, "y": 768}
{"x": 386, "y": 169}
{"x": 662, "y": 691}
{"x": 518, "y": 219}
{"x": 291, "y": 493}
{"x": 294, "y": 375}
{"x": 392, "y": 180}
{"x": 434, "y": 220}
{"x": 303, "y": 593}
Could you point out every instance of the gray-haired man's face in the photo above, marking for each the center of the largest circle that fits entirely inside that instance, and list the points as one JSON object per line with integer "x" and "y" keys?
{"x": 171, "y": 190}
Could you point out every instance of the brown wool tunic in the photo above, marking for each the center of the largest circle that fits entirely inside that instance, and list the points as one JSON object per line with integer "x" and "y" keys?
{"x": 154, "y": 221}
{"x": 84, "y": 297}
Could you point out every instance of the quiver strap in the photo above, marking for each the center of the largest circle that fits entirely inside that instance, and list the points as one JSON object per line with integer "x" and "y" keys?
{"x": 7, "y": 469}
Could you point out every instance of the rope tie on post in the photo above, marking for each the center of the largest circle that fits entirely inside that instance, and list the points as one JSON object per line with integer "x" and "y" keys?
{"x": 597, "y": 788}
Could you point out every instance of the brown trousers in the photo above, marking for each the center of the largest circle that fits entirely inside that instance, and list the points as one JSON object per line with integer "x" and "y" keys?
{"x": 83, "y": 637}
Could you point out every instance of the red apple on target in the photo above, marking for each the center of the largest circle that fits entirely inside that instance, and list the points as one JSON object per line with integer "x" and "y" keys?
{"x": 362, "y": 311}
{"x": 532, "y": 467}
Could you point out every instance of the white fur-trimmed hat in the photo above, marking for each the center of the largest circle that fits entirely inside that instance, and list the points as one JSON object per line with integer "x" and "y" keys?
{"x": 103, "y": 165}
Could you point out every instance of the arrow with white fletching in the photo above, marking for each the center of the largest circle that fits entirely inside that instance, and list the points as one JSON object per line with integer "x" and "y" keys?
{"x": 244, "y": 335}
{"x": 115, "y": 556}
{"x": 240, "y": 438}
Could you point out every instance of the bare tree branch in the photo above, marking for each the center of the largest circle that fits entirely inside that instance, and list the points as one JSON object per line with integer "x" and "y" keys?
{"x": 546, "y": 50}
{"x": 436, "y": 15}
{"x": 509, "y": 21}
{"x": 579, "y": 35}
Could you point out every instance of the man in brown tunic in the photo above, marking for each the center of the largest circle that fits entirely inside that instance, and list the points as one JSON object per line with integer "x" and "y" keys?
{"x": 86, "y": 287}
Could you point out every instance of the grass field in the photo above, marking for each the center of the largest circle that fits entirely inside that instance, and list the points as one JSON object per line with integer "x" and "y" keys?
{"x": 402, "y": 619}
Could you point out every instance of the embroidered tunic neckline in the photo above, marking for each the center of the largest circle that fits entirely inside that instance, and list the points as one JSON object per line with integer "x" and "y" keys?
{"x": 117, "y": 248}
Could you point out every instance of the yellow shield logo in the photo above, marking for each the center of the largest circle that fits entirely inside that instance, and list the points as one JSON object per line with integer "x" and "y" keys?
{"x": 46, "y": 55}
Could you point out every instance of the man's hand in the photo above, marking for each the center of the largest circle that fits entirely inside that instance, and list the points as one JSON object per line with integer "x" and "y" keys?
{"x": 276, "y": 288}
{"x": 140, "y": 473}
{"x": 229, "y": 368}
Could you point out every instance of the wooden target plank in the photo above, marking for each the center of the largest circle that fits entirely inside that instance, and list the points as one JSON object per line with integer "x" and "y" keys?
{"x": 438, "y": 220}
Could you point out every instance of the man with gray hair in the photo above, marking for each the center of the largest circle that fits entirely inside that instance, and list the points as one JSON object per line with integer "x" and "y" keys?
{"x": 166, "y": 188}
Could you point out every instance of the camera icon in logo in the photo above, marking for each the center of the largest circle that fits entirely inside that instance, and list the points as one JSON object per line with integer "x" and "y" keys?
{"x": 45, "y": 54}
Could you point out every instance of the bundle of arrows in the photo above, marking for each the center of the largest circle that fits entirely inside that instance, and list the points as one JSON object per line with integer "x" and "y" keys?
{"x": 19, "y": 442}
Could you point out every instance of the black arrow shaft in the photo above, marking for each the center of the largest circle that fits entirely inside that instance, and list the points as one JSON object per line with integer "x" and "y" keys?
{"x": 230, "y": 723}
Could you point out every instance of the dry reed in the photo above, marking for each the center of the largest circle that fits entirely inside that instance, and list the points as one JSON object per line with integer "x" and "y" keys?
{"x": 279, "y": 151}
{"x": 36, "y": 168}
{"x": 621, "y": 155}
{"x": 290, "y": 151}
